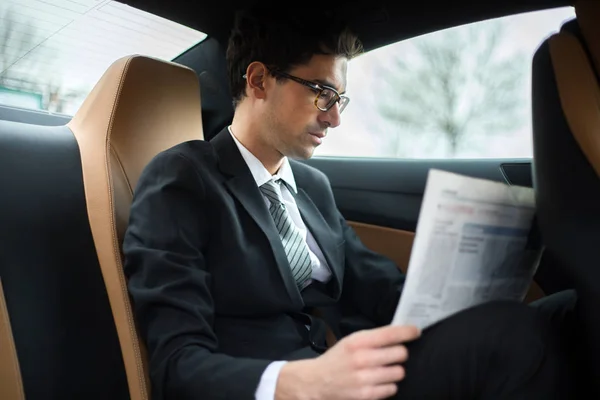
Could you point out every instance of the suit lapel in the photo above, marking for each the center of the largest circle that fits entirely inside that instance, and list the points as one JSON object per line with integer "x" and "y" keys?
{"x": 243, "y": 187}
{"x": 321, "y": 232}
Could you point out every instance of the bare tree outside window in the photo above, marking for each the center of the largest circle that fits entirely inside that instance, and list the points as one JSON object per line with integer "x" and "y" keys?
{"x": 453, "y": 86}
{"x": 18, "y": 38}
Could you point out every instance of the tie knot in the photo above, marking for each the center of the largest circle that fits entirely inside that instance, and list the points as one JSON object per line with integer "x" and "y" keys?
{"x": 272, "y": 190}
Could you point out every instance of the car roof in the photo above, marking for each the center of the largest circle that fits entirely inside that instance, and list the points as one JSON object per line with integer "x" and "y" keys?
{"x": 377, "y": 23}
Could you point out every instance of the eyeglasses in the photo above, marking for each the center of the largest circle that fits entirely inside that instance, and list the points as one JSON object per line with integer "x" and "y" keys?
{"x": 326, "y": 96}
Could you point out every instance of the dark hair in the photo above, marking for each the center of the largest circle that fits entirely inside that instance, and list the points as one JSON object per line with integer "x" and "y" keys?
{"x": 282, "y": 40}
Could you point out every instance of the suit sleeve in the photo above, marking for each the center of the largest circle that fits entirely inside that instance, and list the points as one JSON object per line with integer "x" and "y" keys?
{"x": 372, "y": 282}
{"x": 169, "y": 283}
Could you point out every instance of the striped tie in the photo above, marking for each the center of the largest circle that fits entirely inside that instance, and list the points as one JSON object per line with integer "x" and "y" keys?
{"x": 294, "y": 245}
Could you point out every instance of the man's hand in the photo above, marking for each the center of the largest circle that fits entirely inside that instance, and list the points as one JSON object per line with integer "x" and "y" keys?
{"x": 362, "y": 366}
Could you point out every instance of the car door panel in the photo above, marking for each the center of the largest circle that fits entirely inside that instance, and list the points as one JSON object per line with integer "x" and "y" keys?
{"x": 396, "y": 244}
{"x": 381, "y": 199}
{"x": 389, "y": 192}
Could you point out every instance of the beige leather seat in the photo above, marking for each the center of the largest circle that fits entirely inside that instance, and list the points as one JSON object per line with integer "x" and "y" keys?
{"x": 140, "y": 107}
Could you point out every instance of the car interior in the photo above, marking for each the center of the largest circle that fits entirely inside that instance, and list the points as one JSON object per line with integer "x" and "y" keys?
{"x": 67, "y": 330}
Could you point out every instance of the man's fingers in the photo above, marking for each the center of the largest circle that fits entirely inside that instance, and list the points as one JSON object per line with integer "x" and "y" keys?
{"x": 382, "y": 391}
{"x": 382, "y": 375}
{"x": 380, "y": 356}
{"x": 384, "y": 336}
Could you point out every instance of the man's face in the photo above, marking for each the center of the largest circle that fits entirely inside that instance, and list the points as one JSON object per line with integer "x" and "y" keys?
{"x": 294, "y": 126}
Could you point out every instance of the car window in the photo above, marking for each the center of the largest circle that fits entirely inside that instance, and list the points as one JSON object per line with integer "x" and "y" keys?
{"x": 463, "y": 92}
{"x": 53, "y": 52}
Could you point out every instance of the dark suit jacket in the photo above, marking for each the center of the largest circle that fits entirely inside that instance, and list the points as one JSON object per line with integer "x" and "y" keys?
{"x": 213, "y": 294}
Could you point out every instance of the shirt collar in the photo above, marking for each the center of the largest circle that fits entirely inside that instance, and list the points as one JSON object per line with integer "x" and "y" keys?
{"x": 258, "y": 170}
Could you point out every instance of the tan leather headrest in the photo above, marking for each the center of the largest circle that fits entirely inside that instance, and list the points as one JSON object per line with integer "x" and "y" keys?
{"x": 140, "y": 107}
{"x": 588, "y": 17}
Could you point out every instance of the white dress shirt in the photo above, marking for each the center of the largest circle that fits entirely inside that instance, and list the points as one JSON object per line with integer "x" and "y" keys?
{"x": 320, "y": 269}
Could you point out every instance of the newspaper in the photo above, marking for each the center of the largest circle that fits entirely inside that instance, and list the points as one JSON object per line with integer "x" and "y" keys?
{"x": 473, "y": 244}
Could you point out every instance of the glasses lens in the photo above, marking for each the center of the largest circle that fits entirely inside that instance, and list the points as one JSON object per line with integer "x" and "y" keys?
{"x": 326, "y": 99}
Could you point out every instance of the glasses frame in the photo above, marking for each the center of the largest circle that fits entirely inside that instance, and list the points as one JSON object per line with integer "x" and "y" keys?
{"x": 342, "y": 100}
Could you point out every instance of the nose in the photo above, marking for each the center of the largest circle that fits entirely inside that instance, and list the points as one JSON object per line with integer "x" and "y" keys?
{"x": 331, "y": 117}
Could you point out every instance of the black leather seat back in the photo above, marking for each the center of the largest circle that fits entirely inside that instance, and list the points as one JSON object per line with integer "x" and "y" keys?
{"x": 62, "y": 325}
{"x": 566, "y": 147}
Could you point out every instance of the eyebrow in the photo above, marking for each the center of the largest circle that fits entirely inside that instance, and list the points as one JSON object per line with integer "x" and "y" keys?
{"x": 327, "y": 83}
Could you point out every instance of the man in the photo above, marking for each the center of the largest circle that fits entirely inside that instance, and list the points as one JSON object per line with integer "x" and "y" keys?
{"x": 236, "y": 255}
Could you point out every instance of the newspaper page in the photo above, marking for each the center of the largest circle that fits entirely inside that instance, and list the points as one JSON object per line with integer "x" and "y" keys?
{"x": 471, "y": 246}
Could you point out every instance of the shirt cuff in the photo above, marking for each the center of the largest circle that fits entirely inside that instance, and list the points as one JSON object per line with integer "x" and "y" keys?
{"x": 268, "y": 381}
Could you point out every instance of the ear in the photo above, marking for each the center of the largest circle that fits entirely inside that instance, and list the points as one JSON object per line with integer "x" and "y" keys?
{"x": 256, "y": 75}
